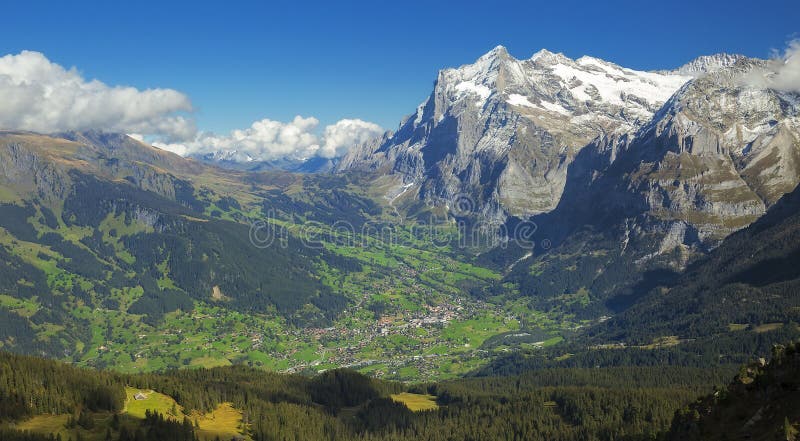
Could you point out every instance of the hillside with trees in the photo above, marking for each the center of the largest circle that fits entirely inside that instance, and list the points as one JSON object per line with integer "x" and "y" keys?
{"x": 564, "y": 404}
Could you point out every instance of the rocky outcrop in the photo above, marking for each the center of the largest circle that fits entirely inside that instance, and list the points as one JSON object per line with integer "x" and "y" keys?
{"x": 26, "y": 171}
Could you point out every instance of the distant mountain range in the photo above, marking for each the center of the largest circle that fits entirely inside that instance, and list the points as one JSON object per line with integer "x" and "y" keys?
{"x": 232, "y": 160}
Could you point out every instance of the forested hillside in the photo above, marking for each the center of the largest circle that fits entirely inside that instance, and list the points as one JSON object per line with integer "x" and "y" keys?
{"x": 750, "y": 284}
{"x": 728, "y": 307}
{"x": 42, "y": 397}
{"x": 762, "y": 403}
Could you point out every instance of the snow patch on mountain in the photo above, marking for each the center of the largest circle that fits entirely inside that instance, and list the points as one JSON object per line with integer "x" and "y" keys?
{"x": 480, "y": 90}
{"x": 590, "y": 79}
{"x": 516, "y": 99}
{"x": 519, "y": 100}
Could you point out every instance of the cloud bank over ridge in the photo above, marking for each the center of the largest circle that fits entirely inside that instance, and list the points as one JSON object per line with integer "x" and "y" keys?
{"x": 782, "y": 72}
{"x": 39, "y": 95}
{"x": 267, "y": 139}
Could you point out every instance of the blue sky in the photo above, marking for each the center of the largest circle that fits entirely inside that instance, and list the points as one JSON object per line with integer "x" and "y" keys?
{"x": 240, "y": 62}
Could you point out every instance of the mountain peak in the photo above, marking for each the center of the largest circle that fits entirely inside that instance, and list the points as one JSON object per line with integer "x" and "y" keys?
{"x": 546, "y": 55}
{"x": 497, "y": 51}
{"x": 480, "y": 76}
{"x": 492, "y": 59}
{"x": 709, "y": 63}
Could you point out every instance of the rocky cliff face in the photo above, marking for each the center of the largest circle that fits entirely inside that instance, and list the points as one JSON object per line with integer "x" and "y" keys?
{"x": 722, "y": 152}
{"x": 711, "y": 161}
{"x": 40, "y": 166}
{"x": 29, "y": 172}
{"x": 638, "y": 206}
{"x": 503, "y": 131}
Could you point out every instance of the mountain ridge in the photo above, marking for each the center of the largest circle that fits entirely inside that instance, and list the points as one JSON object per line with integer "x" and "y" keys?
{"x": 564, "y": 103}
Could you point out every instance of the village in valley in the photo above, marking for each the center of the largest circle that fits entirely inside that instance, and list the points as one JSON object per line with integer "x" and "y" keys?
{"x": 397, "y": 327}
{"x": 383, "y": 345}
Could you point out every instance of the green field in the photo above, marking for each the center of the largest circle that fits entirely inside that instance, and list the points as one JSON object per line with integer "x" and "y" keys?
{"x": 416, "y": 402}
{"x": 224, "y": 422}
{"x": 154, "y": 401}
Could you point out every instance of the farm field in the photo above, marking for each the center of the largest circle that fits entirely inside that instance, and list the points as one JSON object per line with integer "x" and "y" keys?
{"x": 416, "y": 402}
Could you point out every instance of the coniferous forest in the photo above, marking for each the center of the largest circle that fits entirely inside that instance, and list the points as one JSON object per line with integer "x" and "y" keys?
{"x": 626, "y": 403}
{"x": 571, "y": 404}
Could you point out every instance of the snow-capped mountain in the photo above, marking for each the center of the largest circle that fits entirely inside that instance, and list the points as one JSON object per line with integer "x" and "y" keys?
{"x": 233, "y": 159}
{"x": 656, "y": 160}
{"x": 503, "y": 131}
{"x": 712, "y": 160}
{"x": 224, "y": 156}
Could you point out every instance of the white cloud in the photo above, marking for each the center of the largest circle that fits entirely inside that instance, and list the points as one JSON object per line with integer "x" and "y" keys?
{"x": 39, "y": 95}
{"x": 267, "y": 139}
{"x": 346, "y": 133}
{"x": 782, "y": 72}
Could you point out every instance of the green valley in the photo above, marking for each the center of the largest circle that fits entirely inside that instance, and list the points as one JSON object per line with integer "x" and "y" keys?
{"x": 110, "y": 262}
